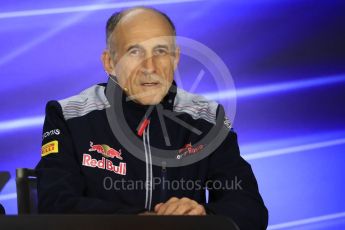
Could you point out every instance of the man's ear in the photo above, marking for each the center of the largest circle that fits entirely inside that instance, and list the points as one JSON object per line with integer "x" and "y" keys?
{"x": 177, "y": 57}
{"x": 107, "y": 62}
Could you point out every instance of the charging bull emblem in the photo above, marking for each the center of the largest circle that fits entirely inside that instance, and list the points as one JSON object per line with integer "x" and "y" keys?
{"x": 105, "y": 150}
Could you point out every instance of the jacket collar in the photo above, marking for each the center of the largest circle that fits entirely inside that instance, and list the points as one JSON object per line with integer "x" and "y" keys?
{"x": 135, "y": 112}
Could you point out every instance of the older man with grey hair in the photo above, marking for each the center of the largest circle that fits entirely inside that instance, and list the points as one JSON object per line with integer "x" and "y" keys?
{"x": 87, "y": 167}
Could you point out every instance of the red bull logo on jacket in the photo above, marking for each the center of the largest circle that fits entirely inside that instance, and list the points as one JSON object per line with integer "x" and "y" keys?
{"x": 106, "y": 151}
{"x": 104, "y": 164}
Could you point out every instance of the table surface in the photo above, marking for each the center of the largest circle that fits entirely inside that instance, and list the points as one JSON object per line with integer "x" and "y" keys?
{"x": 105, "y": 222}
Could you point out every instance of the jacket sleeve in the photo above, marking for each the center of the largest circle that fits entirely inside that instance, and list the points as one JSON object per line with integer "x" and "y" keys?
{"x": 60, "y": 183}
{"x": 238, "y": 197}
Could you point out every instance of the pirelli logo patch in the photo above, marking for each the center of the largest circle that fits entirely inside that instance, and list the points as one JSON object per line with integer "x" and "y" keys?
{"x": 51, "y": 147}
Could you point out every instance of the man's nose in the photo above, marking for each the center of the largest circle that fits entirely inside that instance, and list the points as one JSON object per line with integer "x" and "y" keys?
{"x": 148, "y": 65}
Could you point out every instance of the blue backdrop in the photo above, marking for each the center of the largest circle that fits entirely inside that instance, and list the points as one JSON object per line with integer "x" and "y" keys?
{"x": 286, "y": 58}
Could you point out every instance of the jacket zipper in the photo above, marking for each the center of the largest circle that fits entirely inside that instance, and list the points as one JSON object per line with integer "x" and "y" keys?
{"x": 163, "y": 176}
{"x": 148, "y": 159}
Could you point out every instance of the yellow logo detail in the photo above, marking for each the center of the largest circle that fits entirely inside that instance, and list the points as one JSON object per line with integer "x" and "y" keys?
{"x": 51, "y": 147}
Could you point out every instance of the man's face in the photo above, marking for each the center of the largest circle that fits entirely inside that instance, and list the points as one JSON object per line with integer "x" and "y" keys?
{"x": 145, "y": 56}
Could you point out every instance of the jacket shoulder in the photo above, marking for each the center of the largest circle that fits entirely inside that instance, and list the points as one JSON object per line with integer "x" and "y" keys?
{"x": 91, "y": 99}
{"x": 197, "y": 106}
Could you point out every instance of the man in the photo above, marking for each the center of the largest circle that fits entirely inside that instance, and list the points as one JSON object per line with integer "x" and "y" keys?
{"x": 83, "y": 162}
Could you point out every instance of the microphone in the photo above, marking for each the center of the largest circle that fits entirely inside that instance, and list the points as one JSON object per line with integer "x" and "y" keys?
{"x": 111, "y": 77}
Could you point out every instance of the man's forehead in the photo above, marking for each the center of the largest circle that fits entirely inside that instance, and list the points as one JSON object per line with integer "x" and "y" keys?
{"x": 144, "y": 36}
{"x": 151, "y": 42}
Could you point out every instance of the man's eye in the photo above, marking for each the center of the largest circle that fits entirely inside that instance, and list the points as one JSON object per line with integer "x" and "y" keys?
{"x": 161, "y": 51}
{"x": 134, "y": 52}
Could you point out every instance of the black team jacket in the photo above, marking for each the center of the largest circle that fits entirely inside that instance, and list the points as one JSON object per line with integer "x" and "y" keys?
{"x": 85, "y": 168}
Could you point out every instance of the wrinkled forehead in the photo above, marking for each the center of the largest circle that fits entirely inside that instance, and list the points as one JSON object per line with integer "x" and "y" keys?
{"x": 149, "y": 44}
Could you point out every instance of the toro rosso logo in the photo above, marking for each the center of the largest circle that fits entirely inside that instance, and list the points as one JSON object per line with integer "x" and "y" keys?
{"x": 188, "y": 149}
{"x": 106, "y": 151}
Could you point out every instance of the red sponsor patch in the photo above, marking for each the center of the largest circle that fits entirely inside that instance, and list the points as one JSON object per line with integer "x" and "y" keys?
{"x": 188, "y": 149}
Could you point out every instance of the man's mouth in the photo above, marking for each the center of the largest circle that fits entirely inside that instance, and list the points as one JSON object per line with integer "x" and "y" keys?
{"x": 148, "y": 84}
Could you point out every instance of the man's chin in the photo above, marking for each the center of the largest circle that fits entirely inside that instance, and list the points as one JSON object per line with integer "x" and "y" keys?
{"x": 150, "y": 101}
{"x": 151, "y": 97}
